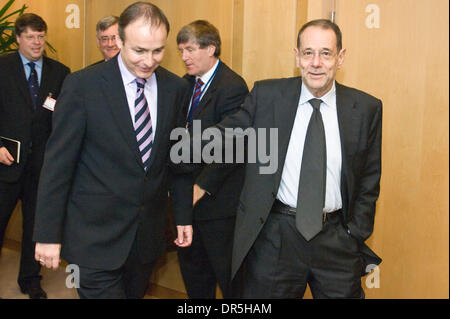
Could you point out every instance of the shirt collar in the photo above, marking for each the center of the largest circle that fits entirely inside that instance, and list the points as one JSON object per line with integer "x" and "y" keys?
{"x": 205, "y": 78}
{"x": 25, "y": 61}
{"x": 127, "y": 76}
{"x": 329, "y": 98}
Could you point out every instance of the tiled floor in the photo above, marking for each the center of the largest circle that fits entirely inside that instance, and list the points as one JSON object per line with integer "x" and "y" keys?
{"x": 54, "y": 281}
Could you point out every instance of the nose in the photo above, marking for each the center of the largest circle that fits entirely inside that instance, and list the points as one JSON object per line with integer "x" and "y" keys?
{"x": 149, "y": 60}
{"x": 111, "y": 42}
{"x": 316, "y": 60}
{"x": 184, "y": 55}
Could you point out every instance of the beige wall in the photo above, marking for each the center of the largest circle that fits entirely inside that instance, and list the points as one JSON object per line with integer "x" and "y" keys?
{"x": 404, "y": 62}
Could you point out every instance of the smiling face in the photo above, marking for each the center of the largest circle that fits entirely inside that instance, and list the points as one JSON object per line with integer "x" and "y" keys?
{"x": 318, "y": 59}
{"x": 106, "y": 41}
{"x": 143, "y": 48}
{"x": 31, "y": 44}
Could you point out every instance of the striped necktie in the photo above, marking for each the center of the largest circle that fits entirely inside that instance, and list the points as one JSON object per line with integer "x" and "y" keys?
{"x": 33, "y": 83}
{"x": 195, "y": 98}
{"x": 143, "y": 123}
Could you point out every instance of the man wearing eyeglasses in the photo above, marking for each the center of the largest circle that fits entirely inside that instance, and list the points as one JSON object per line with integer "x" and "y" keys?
{"x": 107, "y": 36}
{"x": 306, "y": 223}
{"x": 29, "y": 85}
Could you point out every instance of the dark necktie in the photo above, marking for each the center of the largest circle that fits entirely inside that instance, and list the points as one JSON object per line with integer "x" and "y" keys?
{"x": 311, "y": 191}
{"x": 195, "y": 98}
{"x": 33, "y": 83}
{"x": 143, "y": 123}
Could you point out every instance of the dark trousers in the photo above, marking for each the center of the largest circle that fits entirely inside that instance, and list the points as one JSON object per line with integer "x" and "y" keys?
{"x": 128, "y": 282}
{"x": 25, "y": 189}
{"x": 208, "y": 260}
{"x": 281, "y": 262}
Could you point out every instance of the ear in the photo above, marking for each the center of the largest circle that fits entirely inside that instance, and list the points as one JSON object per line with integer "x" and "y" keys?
{"x": 341, "y": 57}
{"x": 211, "y": 50}
{"x": 297, "y": 57}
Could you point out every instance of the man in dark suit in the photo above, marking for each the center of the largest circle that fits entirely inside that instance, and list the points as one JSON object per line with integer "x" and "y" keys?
{"x": 27, "y": 81}
{"x": 107, "y": 32}
{"x": 103, "y": 195}
{"x": 217, "y": 91}
{"x": 307, "y": 222}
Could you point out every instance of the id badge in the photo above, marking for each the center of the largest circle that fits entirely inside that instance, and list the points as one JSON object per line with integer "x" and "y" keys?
{"x": 49, "y": 103}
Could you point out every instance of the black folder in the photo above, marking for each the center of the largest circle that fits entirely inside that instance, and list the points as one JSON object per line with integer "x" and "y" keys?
{"x": 13, "y": 147}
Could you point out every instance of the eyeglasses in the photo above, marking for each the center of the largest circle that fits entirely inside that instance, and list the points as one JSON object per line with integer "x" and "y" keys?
{"x": 30, "y": 38}
{"x": 106, "y": 39}
{"x": 324, "y": 55}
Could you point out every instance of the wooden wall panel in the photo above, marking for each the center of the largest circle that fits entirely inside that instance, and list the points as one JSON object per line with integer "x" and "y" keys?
{"x": 404, "y": 62}
{"x": 269, "y": 37}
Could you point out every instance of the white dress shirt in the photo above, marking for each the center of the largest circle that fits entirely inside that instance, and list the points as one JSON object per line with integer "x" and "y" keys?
{"x": 288, "y": 190}
{"x": 150, "y": 92}
{"x": 206, "y": 78}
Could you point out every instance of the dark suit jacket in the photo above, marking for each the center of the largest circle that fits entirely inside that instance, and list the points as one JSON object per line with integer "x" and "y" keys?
{"x": 94, "y": 195}
{"x": 225, "y": 95}
{"x": 18, "y": 119}
{"x": 273, "y": 104}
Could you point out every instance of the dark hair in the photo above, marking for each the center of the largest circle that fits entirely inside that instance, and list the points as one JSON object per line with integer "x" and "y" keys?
{"x": 201, "y": 32}
{"x": 106, "y": 22}
{"x": 29, "y": 20}
{"x": 324, "y": 24}
{"x": 149, "y": 11}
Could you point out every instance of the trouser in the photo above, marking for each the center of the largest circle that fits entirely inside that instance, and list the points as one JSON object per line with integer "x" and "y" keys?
{"x": 25, "y": 189}
{"x": 281, "y": 262}
{"x": 208, "y": 260}
{"x": 130, "y": 281}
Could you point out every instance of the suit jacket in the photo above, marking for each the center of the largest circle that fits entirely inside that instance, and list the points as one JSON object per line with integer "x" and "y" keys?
{"x": 273, "y": 104}
{"x": 225, "y": 95}
{"x": 94, "y": 195}
{"x": 18, "y": 119}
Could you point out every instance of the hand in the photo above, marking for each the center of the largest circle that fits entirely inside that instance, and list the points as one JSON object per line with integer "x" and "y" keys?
{"x": 184, "y": 236}
{"x": 48, "y": 255}
{"x": 198, "y": 193}
{"x": 5, "y": 157}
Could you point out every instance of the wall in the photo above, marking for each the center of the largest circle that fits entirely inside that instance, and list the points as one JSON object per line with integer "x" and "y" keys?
{"x": 404, "y": 62}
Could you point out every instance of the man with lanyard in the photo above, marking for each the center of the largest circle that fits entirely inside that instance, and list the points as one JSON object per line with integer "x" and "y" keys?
{"x": 217, "y": 91}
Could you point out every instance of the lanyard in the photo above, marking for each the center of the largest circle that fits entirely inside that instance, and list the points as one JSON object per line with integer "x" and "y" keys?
{"x": 207, "y": 83}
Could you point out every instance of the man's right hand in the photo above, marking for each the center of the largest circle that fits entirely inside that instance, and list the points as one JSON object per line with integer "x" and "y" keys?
{"x": 48, "y": 255}
{"x": 5, "y": 157}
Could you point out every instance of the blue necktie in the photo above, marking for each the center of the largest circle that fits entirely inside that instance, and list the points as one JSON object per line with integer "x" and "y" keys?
{"x": 33, "y": 83}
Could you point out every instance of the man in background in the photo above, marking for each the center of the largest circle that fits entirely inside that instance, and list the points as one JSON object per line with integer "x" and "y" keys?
{"x": 29, "y": 83}
{"x": 107, "y": 36}
{"x": 216, "y": 91}
{"x": 102, "y": 199}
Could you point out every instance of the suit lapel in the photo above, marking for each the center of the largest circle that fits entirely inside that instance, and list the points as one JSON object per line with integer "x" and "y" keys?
{"x": 284, "y": 116}
{"x": 162, "y": 112}
{"x": 19, "y": 71}
{"x": 349, "y": 133}
{"x": 114, "y": 92}
{"x": 46, "y": 79}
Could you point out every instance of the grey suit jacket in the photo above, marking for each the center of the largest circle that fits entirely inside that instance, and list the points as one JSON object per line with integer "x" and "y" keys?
{"x": 273, "y": 104}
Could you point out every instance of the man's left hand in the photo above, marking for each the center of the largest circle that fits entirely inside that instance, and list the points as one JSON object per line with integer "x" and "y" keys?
{"x": 184, "y": 238}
